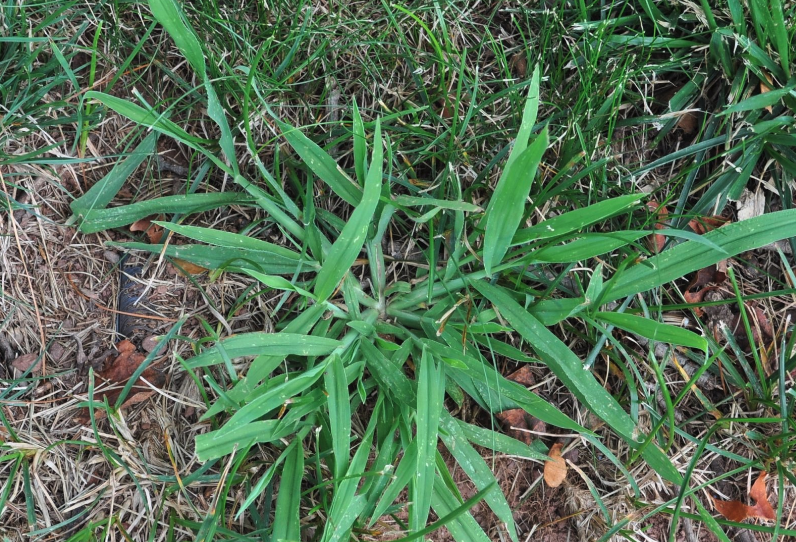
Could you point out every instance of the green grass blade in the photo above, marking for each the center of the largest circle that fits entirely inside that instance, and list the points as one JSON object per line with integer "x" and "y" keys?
{"x": 230, "y": 259}
{"x": 148, "y": 118}
{"x": 339, "y": 414}
{"x": 233, "y": 240}
{"x": 101, "y": 194}
{"x": 507, "y": 205}
{"x": 578, "y": 219}
{"x": 115, "y": 217}
{"x": 588, "y": 246}
{"x": 430, "y": 393}
{"x": 168, "y": 14}
{"x": 287, "y": 524}
{"x": 360, "y": 145}
{"x": 569, "y": 369}
{"x": 266, "y": 478}
{"x": 691, "y": 256}
{"x": 276, "y": 344}
{"x": 348, "y": 246}
{"x": 476, "y": 468}
{"x": 324, "y": 166}
{"x": 653, "y": 330}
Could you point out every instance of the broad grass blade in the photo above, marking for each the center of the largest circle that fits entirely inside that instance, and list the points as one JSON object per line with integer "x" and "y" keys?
{"x": 476, "y": 468}
{"x": 339, "y": 414}
{"x": 360, "y": 145}
{"x": 101, "y": 194}
{"x": 348, "y": 246}
{"x": 287, "y": 525}
{"x": 233, "y": 240}
{"x": 430, "y": 393}
{"x": 578, "y": 219}
{"x": 655, "y": 331}
{"x": 168, "y": 14}
{"x": 115, "y": 217}
{"x": 691, "y": 256}
{"x": 324, "y": 165}
{"x": 569, "y": 369}
{"x": 276, "y": 344}
{"x": 507, "y": 205}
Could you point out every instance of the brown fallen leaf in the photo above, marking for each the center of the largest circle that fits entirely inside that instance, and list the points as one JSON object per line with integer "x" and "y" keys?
{"x": 738, "y": 511}
{"x": 117, "y": 373}
{"x": 555, "y": 470}
{"x": 26, "y": 361}
{"x": 188, "y": 267}
{"x": 766, "y": 87}
{"x": 687, "y": 123}
{"x": 523, "y": 376}
{"x": 516, "y": 425}
{"x": 153, "y": 232}
{"x": 658, "y": 241}
{"x": 704, "y": 224}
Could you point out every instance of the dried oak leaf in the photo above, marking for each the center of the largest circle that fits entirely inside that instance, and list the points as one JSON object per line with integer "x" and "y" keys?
{"x": 153, "y": 232}
{"x": 26, "y": 361}
{"x": 117, "y": 373}
{"x": 516, "y": 425}
{"x": 704, "y": 224}
{"x": 738, "y": 511}
{"x": 555, "y": 470}
{"x": 523, "y": 376}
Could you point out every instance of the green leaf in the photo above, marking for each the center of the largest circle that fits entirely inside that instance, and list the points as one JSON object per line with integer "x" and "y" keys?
{"x": 414, "y": 201}
{"x": 578, "y": 219}
{"x": 501, "y": 388}
{"x": 103, "y": 191}
{"x": 324, "y": 166}
{"x": 349, "y": 244}
{"x": 391, "y": 379}
{"x": 653, "y": 330}
{"x": 230, "y": 259}
{"x": 287, "y": 526}
{"x": 339, "y": 414}
{"x": 760, "y": 101}
{"x": 360, "y": 145}
{"x": 586, "y": 247}
{"x": 235, "y": 240}
{"x": 507, "y": 205}
{"x": 167, "y": 13}
{"x": 274, "y": 344}
{"x": 569, "y": 369}
{"x": 430, "y": 392}
{"x": 148, "y": 118}
{"x": 499, "y": 442}
{"x": 685, "y": 258}
{"x": 477, "y": 470}
{"x": 454, "y": 515}
{"x": 115, "y": 217}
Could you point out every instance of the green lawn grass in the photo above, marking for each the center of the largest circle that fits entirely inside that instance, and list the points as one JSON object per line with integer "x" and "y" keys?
{"x": 516, "y": 149}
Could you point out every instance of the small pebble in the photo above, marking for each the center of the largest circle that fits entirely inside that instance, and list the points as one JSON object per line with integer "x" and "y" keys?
{"x": 111, "y": 256}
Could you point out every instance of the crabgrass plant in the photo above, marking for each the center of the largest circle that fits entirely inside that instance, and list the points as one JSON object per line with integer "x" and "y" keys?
{"x": 356, "y": 339}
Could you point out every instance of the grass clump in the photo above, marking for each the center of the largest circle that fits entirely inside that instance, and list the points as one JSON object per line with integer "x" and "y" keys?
{"x": 528, "y": 234}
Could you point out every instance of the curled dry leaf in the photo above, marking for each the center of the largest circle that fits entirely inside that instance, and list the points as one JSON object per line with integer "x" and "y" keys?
{"x": 555, "y": 470}
{"x": 738, "y": 511}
